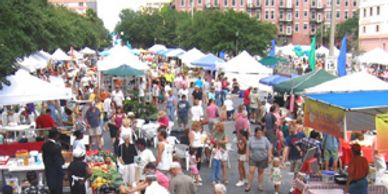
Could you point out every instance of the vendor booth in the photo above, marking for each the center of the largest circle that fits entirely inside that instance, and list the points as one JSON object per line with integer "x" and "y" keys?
{"x": 299, "y": 84}
{"x": 208, "y": 62}
{"x": 190, "y": 56}
{"x": 276, "y": 79}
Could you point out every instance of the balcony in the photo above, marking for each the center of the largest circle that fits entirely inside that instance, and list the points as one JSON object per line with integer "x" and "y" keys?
{"x": 253, "y": 6}
{"x": 285, "y": 19}
{"x": 315, "y": 20}
{"x": 316, "y": 6}
{"x": 286, "y": 6}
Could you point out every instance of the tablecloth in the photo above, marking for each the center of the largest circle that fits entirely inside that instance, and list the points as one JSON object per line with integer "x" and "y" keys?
{"x": 10, "y": 149}
{"x": 306, "y": 188}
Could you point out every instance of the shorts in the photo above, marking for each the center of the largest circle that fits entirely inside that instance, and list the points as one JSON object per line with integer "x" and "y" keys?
{"x": 297, "y": 164}
{"x": 242, "y": 157}
{"x": 95, "y": 131}
{"x": 259, "y": 164}
{"x": 194, "y": 170}
{"x": 183, "y": 120}
{"x": 252, "y": 109}
{"x": 225, "y": 156}
{"x": 327, "y": 154}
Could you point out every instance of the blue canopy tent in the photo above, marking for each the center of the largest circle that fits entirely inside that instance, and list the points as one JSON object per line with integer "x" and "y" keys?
{"x": 163, "y": 52}
{"x": 360, "y": 108}
{"x": 208, "y": 62}
{"x": 276, "y": 79}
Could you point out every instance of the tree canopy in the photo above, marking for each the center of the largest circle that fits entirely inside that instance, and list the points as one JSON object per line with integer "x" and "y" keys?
{"x": 30, "y": 25}
{"x": 208, "y": 30}
{"x": 349, "y": 27}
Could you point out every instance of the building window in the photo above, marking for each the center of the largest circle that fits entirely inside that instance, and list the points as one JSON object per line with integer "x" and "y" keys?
{"x": 272, "y": 2}
{"x": 258, "y": 15}
{"x": 304, "y": 26}
{"x": 319, "y": 17}
{"x": 297, "y": 3}
{"x": 371, "y": 11}
{"x": 305, "y": 14}
{"x": 364, "y": 12}
{"x": 258, "y": 2}
{"x": 191, "y": 2}
{"x": 377, "y": 28}
{"x": 81, "y": 4}
{"x": 313, "y": 3}
{"x": 266, "y": 2}
{"x": 281, "y": 28}
{"x": 288, "y": 29}
{"x": 183, "y": 3}
{"x": 296, "y": 14}
{"x": 272, "y": 15}
{"x": 242, "y": 2}
{"x": 266, "y": 15}
{"x": 364, "y": 29}
{"x": 313, "y": 14}
{"x": 216, "y": 2}
{"x": 281, "y": 3}
{"x": 199, "y": 2}
{"x": 354, "y": 3}
{"x": 296, "y": 27}
{"x": 346, "y": 15}
{"x": 233, "y": 3}
{"x": 338, "y": 14}
{"x": 346, "y": 3}
{"x": 313, "y": 28}
{"x": 338, "y": 2}
{"x": 378, "y": 10}
{"x": 281, "y": 14}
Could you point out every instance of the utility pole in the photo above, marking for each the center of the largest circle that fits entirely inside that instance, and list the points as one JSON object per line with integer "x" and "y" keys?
{"x": 331, "y": 62}
{"x": 332, "y": 28}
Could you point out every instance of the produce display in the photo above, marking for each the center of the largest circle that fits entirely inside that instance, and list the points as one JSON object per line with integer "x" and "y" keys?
{"x": 105, "y": 177}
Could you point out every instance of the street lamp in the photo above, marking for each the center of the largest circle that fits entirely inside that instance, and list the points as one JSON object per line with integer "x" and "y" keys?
{"x": 237, "y": 34}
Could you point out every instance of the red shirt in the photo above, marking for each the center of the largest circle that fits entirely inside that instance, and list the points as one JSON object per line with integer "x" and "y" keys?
{"x": 45, "y": 121}
{"x": 246, "y": 96}
{"x": 164, "y": 121}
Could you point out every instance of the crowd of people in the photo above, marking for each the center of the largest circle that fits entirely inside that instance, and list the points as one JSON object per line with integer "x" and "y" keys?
{"x": 204, "y": 107}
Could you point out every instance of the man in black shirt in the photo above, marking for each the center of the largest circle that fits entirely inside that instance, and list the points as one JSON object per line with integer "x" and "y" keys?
{"x": 126, "y": 153}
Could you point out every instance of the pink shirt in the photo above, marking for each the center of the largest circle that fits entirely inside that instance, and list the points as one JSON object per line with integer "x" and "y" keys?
{"x": 241, "y": 123}
{"x": 211, "y": 111}
{"x": 164, "y": 121}
{"x": 162, "y": 179}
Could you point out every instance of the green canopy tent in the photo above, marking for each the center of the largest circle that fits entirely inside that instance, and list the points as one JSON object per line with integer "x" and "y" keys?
{"x": 124, "y": 70}
{"x": 299, "y": 84}
{"x": 273, "y": 61}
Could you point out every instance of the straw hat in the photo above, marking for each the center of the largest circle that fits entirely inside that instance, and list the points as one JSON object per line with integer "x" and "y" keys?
{"x": 161, "y": 114}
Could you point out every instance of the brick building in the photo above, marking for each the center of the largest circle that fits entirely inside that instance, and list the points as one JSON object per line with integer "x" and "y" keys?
{"x": 297, "y": 20}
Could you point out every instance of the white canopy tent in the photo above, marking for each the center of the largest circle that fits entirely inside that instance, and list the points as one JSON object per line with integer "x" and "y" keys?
{"x": 286, "y": 50}
{"x": 60, "y": 55}
{"x": 375, "y": 56}
{"x": 75, "y": 53}
{"x": 361, "y": 81}
{"x": 175, "y": 53}
{"x": 120, "y": 55}
{"x": 26, "y": 88}
{"x": 37, "y": 60}
{"x": 87, "y": 51}
{"x": 249, "y": 80}
{"x": 190, "y": 56}
{"x": 325, "y": 51}
{"x": 245, "y": 63}
{"x": 157, "y": 47}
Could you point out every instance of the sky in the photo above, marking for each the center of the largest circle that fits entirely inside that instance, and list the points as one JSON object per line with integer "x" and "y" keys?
{"x": 109, "y": 10}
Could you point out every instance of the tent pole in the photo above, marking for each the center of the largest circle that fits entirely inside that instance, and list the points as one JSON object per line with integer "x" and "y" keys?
{"x": 345, "y": 128}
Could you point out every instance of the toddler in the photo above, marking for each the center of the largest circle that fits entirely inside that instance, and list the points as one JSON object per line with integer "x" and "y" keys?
{"x": 276, "y": 174}
{"x": 193, "y": 166}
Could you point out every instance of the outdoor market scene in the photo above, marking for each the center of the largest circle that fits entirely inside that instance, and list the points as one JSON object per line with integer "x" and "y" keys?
{"x": 185, "y": 97}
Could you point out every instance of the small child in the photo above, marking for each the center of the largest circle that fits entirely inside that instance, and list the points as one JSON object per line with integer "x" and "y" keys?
{"x": 223, "y": 113}
{"x": 216, "y": 163}
{"x": 276, "y": 174}
{"x": 193, "y": 166}
{"x": 229, "y": 107}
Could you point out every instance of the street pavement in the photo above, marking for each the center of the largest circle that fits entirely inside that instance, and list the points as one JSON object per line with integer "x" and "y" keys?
{"x": 233, "y": 176}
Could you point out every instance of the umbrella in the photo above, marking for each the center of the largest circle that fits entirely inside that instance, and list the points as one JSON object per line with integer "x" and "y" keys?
{"x": 271, "y": 61}
{"x": 124, "y": 70}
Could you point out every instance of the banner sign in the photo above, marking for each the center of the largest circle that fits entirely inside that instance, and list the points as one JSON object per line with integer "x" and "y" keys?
{"x": 382, "y": 133}
{"x": 324, "y": 118}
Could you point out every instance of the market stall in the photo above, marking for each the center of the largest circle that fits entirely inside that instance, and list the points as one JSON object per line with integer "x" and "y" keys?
{"x": 300, "y": 84}
{"x": 190, "y": 56}
{"x": 208, "y": 62}
{"x": 338, "y": 113}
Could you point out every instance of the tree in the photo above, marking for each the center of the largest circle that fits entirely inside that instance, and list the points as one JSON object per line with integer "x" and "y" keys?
{"x": 208, "y": 30}
{"x": 349, "y": 27}
{"x": 30, "y": 25}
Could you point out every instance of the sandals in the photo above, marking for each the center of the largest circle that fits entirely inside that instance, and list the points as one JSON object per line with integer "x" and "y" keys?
{"x": 248, "y": 188}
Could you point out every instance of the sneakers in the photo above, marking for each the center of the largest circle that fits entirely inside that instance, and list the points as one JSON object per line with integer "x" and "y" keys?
{"x": 240, "y": 183}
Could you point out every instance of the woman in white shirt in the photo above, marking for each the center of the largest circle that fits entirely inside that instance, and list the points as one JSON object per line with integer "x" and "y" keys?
{"x": 195, "y": 140}
{"x": 126, "y": 130}
{"x": 196, "y": 111}
{"x": 229, "y": 106}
